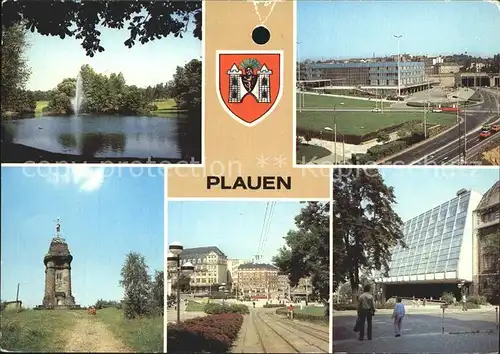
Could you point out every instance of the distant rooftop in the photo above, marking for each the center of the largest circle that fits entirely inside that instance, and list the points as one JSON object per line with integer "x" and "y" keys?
{"x": 260, "y": 266}
{"x": 194, "y": 252}
{"x": 365, "y": 65}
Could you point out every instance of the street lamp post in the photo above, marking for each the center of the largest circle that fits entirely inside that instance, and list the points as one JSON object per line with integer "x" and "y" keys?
{"x": 398, "y": 37}
{"x": 174, "y": 260}
{"x": 334, "y": 138}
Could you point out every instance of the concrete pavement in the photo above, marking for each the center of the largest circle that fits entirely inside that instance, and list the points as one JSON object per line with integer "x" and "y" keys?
{"x": 423, "y": 343}
{"x": 464, "y": 332}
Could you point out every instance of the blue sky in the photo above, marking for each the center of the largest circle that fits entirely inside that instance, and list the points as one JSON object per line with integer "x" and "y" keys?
{"x": 105, "y": 214}
{"x": 344, "y": 29}
{"x": 235, "y": 227}
{"x": 420, "y": 189}
{"x": 53, "y": 59}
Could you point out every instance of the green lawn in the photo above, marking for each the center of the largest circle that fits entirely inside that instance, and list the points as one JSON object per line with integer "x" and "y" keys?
{"x": 311, "y": 310}
{"x": 141, "y": 334}
{"x": 317, "y": 101}
{"x": 165, "y": 106}
{"x": 46, "y": 330}
{"x": 307, "y": 153}
{"x": 40, "y": 105}
{"x": 361, "y": 123}
{"x": 194, "y": 306}
{"x": 35, "y": 330}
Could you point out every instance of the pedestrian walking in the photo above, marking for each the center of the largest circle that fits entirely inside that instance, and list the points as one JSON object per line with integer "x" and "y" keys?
{"x": 425, "y": 301}
{"x": 464, "y": 303}
{"x": 366, "y": 310}
{"x": 413, "y": 302}
{"x": 397, "y": 315}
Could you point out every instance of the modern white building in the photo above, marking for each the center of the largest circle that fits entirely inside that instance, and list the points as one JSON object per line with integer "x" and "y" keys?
{"x": 439, "y": 251}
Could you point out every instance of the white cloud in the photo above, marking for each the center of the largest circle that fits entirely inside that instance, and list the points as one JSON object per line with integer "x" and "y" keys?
{"x": 86, "y": 178}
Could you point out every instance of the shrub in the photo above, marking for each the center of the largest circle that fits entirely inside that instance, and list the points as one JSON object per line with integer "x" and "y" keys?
{"x": 386, "y": 305}
{"x": 344, "y": 307}
{"x": 270, "y": 306}
{"x": 472, "y": 305}
{"x": 210, "y": 334}
{"x": 310, "y": 318}
{"x": 378, "y": 152}
{"x": 214, "y": 308}
{"x": 477, "y": 299}
{"x": 448, "y": 298}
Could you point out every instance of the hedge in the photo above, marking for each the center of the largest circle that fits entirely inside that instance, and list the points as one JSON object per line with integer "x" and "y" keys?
{"x": 210, "y": 334}
{"x": 302, "y": 317}
{"x": 270, "y": 306}
{"x": 214, "y": 308}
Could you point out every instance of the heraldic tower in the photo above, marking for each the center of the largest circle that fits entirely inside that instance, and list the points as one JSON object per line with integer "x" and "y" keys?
{"x": 58, "y": 274}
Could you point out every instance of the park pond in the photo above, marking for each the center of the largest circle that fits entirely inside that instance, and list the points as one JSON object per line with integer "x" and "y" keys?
{"x": 105, "y": 136}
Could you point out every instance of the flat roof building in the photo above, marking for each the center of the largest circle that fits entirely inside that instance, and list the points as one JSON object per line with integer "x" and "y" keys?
{"x": 371, "y": 74}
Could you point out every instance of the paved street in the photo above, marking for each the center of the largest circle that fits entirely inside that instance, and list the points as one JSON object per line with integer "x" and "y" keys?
{"x": 265, "y": 332}
{"x": 445, "y": 146}
{"x": 464, "y": 332}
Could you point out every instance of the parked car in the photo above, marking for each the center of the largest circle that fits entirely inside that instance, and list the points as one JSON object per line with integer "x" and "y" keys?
{"x": 376, "y": 110}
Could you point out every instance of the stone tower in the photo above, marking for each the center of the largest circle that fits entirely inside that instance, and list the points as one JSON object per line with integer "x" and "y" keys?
{"x": 58, "y": 273}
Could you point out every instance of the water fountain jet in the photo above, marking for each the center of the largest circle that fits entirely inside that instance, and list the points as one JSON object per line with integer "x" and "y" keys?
{"x": 76, "y": 101}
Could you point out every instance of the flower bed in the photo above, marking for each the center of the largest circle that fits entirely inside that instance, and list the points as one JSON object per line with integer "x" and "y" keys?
{"x": 210, "y": 334}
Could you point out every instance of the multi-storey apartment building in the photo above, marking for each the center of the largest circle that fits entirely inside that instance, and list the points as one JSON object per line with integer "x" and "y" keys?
{"x": 210, "y": 267}
{"x": 232, "y": 271}
{"x": 258, "y": 280}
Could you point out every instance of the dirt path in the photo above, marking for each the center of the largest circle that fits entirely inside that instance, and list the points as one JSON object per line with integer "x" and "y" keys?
{"x": 90, "y": 335}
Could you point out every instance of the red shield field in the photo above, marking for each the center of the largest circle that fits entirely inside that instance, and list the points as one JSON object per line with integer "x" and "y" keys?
{"x": 249, "y": 83}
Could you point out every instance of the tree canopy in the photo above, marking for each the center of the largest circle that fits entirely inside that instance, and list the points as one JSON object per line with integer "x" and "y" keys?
{"x": 138, "y": 287}
{"x": 365, "y": 226}
{"x": 145, "y": 20}
{"x": 307, "y": 251}
{"x": 15, "y": 71}
{"x": 111, "y": 95}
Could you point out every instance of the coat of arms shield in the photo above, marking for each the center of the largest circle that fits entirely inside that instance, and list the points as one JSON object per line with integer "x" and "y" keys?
{"x": 249, "y": 83}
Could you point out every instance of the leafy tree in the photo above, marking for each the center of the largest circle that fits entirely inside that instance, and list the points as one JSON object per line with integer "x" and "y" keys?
{"x": 60, "y": 102}
{"x": 307, "y": 251}
{"x": 365, "y": 226}
{"x": 15, "y": 71}
{"x": 146, "y": 20}
{"x": 137, "y": 285}
{"x": 158, "y": 289}
{"x": 102, "y": 94}
{"x": 182, "y": 282}
{"x": 186, "y": 86}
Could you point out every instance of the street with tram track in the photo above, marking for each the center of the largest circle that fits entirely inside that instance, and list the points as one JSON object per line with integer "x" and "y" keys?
{"x": 264, "y": 331}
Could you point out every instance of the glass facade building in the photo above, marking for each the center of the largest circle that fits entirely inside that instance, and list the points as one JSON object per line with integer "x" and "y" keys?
{"x": 368, "y": 74}
{"x": 439, "y": 243}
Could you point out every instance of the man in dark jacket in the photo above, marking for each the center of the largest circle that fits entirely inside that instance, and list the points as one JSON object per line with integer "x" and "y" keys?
{"x": 366, "y": 310}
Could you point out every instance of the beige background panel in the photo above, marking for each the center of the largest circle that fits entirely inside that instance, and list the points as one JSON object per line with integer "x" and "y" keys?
{"x": 231, "y": 148}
